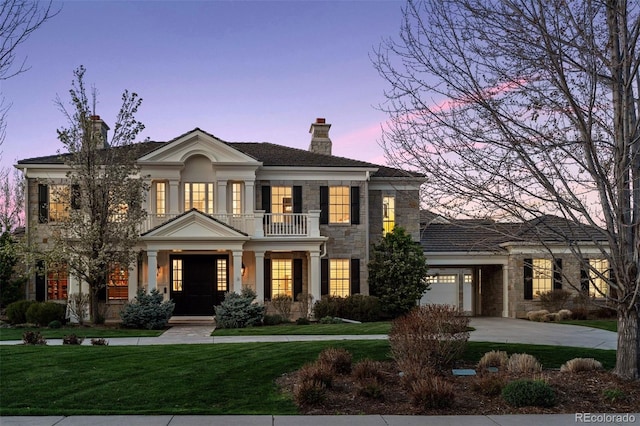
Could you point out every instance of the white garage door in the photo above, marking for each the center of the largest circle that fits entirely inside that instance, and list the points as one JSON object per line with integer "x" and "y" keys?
{"x": 443, "y": 290}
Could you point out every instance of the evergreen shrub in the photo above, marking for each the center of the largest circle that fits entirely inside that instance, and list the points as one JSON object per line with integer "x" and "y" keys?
{"x": 147, "y": 311}
{"x": 239, "y": 311}
{"x": 529, "y": 393}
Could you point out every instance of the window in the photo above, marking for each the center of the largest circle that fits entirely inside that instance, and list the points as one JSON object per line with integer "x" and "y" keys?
{"x": 339, "y": 277}
{"x": 161, "y": 198}
{"x": 442, "y": 279}
{"x": 281, "y": 282}
{"x": 598, "y": 274}
{"x": 57, "y": 282}
{"x": 388, "y": 214}
{"x": 118, "y": 283}
{"x": 176, "y": 275}
{"x": 236, "y": 198}
{"x": 59, "y": 202}
{"x": 221, "y": 267}
{"x": 339, "y": 204}
{"x": 281, "y": 202}
{"x": 542, "y": 279}
{"x": 198, "y": 196}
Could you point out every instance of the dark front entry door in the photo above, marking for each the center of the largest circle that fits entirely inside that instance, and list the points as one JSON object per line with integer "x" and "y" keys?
{"x": 198, "y": 282}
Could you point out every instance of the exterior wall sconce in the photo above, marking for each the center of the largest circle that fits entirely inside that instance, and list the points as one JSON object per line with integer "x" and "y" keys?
{"x": 243, "y": 269}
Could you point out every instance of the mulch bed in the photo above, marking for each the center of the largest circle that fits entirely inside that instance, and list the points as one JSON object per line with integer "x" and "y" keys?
{"x": 575, "y": 393}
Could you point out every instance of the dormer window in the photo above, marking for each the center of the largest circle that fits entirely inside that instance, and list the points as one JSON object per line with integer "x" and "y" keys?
{"x": 198, "y": 196}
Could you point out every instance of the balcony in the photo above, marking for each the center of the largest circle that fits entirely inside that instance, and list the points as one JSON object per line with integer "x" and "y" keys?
{"x": 258, "y": 224}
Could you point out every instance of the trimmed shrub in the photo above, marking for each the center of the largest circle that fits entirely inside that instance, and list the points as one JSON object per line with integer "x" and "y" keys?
{"x": 431, "y": 392}
{"x": 44, "y": 313}
{"x": 17, "y": 311}
{"x": 338, "y": 360}
{"x": 523, "y": 363}
{"x": 273, "y": 320}
{"x": 330, "y": 320}
{"x": 580, "y": 314}
{"x": 99, "y": 342}
{"x": 303, "y": 321}
{"x": 431, "y": 337}
{"x": 529, "y": 393}
{"x": 328, "y": 306}
{"x": 33, "y": 338}
{"x": 580, "y": 364}
{"x": 72, "y": 339}
{"x": 55, "y": 324}
{"x": 356, "y": 307}
{"x": 496, "y": 359}
{"x": 239, "y": 311}
{"x": 554, "y": 300}
{"x": 147, "y": 311}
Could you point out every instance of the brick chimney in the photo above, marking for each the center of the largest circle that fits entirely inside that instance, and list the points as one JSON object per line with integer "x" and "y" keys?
{"x": 101, "y": 128}
{"x": 320, "y": 142}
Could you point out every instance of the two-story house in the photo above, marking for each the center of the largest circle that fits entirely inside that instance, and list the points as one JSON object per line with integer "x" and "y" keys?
{"x": 223, "y": 215}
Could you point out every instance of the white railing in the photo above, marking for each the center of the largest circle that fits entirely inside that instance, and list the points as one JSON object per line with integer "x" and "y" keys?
{"x": 259, "y": 224}
{"x": 286, "y": 224}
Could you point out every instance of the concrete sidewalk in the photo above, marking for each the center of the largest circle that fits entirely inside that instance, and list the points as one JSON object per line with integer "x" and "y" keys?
{"x": 369, "y": 420}
{"x": 499, "y": 330}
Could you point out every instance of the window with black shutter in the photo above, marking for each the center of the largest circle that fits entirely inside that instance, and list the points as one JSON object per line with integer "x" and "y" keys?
{"x": 528, "y": 279}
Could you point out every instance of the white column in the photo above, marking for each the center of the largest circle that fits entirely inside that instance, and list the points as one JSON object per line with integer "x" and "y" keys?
{"x": 314, "y": 223}
{"x": 133, "y": 281}
{"x": 152, "y": 269}
{"x": 258, "y": 231}
{"x": 314, "y": 275}
{"x": 174, "y": 207}
{"x": 237, "y": 271}
{"x": 505, "y": 291}
{"x": 221, "y": 206}
{"x": 260, "y": 276}
{"x": 249, "y": 197}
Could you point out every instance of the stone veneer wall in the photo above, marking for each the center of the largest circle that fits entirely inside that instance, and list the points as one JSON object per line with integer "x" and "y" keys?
{"x": 407, "y": 212}
{"x": 518, "y": 306}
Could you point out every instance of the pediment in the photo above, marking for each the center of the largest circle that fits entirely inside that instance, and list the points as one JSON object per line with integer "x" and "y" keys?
{"x": 197, "y": 142}
{"x": 194, "y": 225}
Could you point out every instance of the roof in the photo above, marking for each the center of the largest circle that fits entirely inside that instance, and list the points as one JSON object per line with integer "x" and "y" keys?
{"x": 269, "y": 154}
{"x": 471, "y": 235}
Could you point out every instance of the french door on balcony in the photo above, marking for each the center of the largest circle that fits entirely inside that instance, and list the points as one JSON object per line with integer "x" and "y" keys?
{"x": 198, "y": 282}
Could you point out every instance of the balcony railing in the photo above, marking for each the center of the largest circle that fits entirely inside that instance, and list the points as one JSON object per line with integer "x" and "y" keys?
{"x": 258, "y": 224}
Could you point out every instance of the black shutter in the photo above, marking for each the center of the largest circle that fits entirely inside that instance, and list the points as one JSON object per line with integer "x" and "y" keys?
{"x": 324, "y": 277}
{"x": 297, "y": 199}
{"x": 355, "y": 276}
{"x": 355, "y": 205}
{"x": 75, "y": 196}
{"x": 557, "y": 274}
{"x": 266, "y": 199}
{"x": 297, "y": 278}
{"x": 266, "y": 204}
{"x": 267, "y": 279}
{"x": 324, "y": 205}
{"x": 528, "y": 279}
{"x": 584, "y": 277}
{"x": 41, "y": 282}
{"x": 43, "y": 203}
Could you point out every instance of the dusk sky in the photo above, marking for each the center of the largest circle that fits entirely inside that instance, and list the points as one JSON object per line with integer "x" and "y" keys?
{"x": 245, "y": 71}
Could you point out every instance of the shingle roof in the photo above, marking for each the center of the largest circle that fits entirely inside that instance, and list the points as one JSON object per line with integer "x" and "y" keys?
{"x": 482, "y": 236}
{"x": 269, "y": 154}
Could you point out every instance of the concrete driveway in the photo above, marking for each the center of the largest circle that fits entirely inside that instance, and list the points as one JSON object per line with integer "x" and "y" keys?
{"x": 509, "y": 330}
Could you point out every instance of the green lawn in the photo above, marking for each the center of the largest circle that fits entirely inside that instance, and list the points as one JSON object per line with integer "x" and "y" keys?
{"x": 605, "y": 324}
{"x": 187, "y": 379}
{"x": 86, "y": 332}
{"x": 311, "y": 329}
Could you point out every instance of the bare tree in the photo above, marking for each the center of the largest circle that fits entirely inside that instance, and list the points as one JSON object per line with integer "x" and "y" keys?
{"x": 105, "y": 190}
{"x": 521, "y": 108}
{"x": 11, "y": 200}
{"x": 18, "y": 19}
